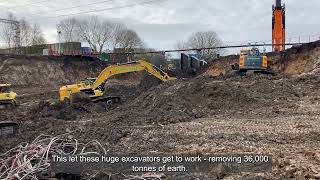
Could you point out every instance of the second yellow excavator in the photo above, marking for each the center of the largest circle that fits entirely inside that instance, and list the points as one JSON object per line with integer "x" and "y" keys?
{"x": 95, "y": 87}
{"x": 7, "y": 97}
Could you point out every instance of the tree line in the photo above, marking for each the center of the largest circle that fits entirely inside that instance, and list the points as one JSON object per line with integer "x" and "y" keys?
{"x": 30, "y": 34}
{"x": 101, "y": 34}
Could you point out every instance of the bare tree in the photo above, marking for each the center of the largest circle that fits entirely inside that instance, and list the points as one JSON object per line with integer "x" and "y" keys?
{"x": 118, "y": 30}
{"x": 9, "y": 31}
{"x": 98, "y": 33}
{"x": 68, "y": 28}
{"x": 37, "y": 35}
{"x": 129, "y": 39}
{"x": 181, "y": 45}
{"x": 30, "y": 35}
{"x": 25, "y": 33}
{"x": 200, "y": 40}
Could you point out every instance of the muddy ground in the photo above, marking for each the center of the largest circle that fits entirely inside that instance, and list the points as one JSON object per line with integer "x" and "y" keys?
{"x": 263, "y": 114}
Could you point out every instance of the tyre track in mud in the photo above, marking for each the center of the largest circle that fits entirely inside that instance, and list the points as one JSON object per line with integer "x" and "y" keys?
{"x": 294, "y": 125}
{"x": 297, "y": 130}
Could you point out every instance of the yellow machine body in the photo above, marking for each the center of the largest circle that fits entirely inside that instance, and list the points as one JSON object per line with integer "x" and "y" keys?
{"x": 7, "y": 96}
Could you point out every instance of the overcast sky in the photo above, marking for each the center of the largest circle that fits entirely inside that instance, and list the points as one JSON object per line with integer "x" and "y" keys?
{"x": 162, "y": 23}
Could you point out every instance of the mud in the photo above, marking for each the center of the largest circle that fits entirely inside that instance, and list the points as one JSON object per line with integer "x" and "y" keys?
{"x": 264, "y": 114}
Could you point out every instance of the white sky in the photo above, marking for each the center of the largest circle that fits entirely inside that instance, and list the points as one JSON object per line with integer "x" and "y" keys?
{"x": 163, "y": 23}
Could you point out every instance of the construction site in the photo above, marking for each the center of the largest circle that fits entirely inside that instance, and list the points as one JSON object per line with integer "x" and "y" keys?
{"x": 232, "y": 105}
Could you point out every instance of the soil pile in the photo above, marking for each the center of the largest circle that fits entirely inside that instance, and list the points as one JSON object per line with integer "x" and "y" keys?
{"x": 297, "y": 60}
{"x": 43, "y": 71}
{"x": 221, "y": 66}
{"x": 293, "y": 61}
{"x": 186, "y": 100}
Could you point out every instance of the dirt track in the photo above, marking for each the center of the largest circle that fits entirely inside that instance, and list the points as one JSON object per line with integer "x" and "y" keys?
{"x": 255, "y": 114}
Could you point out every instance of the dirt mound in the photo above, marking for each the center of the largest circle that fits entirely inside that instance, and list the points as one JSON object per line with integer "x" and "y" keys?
{"x": 182, "y": 100}
{"x": 148, "y": 82}
{"x": 43, "y": 71}
{"x": 186, "y": 100}
{"x": 66, "y": 111}
{"x": 293, "y": 61}
{"x": 297, "y": 60}
{"x": 221, "y": 66}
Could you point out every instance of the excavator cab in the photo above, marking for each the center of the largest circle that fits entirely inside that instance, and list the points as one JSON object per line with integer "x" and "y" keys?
{"x": 7, "y": 96}
{"x": 245, "y": 52}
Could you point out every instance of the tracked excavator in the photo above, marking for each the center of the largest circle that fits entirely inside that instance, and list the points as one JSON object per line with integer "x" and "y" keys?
{"x": 94, "y": 88}
{"x": 252, "y": 60}
{"x": 7, "y": 97}
{"x": 7, "y": 101}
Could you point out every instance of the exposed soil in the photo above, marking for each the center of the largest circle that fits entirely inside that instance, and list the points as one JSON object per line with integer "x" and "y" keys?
{"x": 293, "y": 61}
{"x": 263, "y": 114}
{"x": 41, "y": 71}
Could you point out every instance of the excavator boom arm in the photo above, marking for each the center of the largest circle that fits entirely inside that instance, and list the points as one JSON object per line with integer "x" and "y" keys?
{"x": 127, "y": 68}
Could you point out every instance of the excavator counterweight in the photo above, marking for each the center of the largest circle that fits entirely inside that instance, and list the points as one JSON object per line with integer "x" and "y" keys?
{"x": 252, "y": 60}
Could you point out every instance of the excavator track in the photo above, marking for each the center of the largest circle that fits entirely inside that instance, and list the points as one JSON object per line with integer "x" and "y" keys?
{"x": 108, "y": 99}
{"x": 8, "y": 105}
{"x": 8, "y": 128}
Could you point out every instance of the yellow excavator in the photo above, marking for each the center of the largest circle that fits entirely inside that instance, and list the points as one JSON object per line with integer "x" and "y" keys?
{"x": 7, "y": 97}
{"x": 94, "y": 87}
